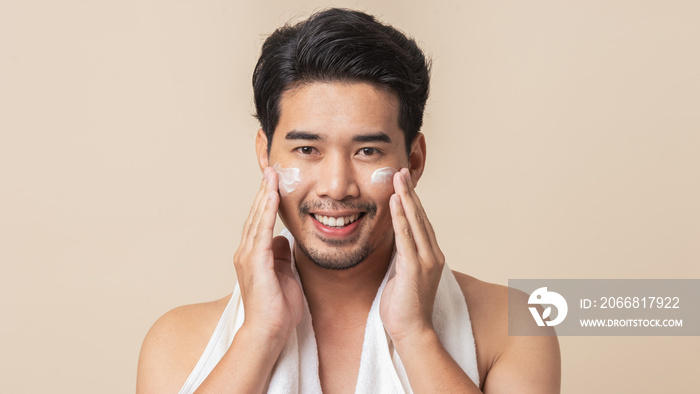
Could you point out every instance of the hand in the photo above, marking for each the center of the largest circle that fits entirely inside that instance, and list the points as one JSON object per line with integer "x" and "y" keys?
{"x": 406, "y": 306}
{"x": 272, "y": 298}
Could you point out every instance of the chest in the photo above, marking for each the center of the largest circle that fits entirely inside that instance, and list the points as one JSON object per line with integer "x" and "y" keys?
{"x": 339, "y": 353}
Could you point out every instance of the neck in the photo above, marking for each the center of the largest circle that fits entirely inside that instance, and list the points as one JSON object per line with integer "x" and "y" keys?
{"x": 343, "y": 291}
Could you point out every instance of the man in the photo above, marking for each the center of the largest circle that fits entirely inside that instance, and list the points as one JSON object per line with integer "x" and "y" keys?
{"x": 340, "y": 99}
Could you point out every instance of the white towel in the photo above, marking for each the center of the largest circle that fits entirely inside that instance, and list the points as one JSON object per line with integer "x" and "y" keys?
{"x": 381, "y": 369}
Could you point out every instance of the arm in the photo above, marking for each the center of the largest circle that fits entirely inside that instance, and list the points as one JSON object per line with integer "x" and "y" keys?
{"x": 272, "y": 299}
{"x": 528, "y": 365}
{"x": 246, "y": 366}
{"x": 430, "y": 368}
{"x": 407, "y": 303}
{"x": 406, "y": 311}
{"x": 523, "y": 364}
{"x": 273, "y": 303}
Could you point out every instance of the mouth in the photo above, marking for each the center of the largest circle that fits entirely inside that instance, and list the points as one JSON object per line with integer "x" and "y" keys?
{"x": 337, "y": 221}
{"x": 344, "y": 226}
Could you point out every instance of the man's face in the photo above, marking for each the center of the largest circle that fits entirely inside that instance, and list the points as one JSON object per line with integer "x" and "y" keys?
{"x": 338, "y": 135}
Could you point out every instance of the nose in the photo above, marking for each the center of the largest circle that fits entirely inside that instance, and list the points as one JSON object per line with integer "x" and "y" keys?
{"x": 337, "y": 179}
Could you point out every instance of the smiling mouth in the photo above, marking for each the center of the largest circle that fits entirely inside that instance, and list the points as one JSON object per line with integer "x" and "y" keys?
{"x": 337, "y": 222}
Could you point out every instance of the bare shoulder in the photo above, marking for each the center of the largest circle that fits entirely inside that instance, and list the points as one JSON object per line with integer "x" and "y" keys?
{"x": 488, "y": 312}
{"x": 506, "y": 363}
{"x": 174, "y": 344}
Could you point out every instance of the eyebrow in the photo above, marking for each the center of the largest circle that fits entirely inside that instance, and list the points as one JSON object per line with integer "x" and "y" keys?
{"x": 302, "y": 135}
{"x": 373, "y": 137}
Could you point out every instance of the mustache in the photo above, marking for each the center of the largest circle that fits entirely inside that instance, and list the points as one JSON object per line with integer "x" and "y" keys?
{"x": 307, "y": 206}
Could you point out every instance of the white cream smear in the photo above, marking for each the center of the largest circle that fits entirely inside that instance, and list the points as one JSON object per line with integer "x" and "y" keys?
{"x": 289, "y": 178}
{"x": 383, "y": 175}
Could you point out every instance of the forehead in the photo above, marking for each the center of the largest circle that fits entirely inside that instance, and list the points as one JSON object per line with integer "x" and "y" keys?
{"x": 339, "y": 109}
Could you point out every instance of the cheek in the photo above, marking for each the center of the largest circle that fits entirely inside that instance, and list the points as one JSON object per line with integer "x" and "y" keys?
{"x": 286, "y": 210}
{"x": 378, "y": 183}
{"x": 291, "y": 182}
{"x": 289, "y": 178}
{"x": 382, "y": 179}
{"x": 295, "y": 181}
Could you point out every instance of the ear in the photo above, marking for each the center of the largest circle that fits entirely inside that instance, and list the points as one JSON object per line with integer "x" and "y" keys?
{"x": 416, "y": 160}
{"x": 261, "y": 149}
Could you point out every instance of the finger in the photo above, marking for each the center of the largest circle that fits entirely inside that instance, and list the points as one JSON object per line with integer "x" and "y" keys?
{"x": 254, "y": 208}
{"x": 283, "y": 254}
{"x": 428, "y": 226}
{"x": 270, "y": 188}
{"x": 266, "y": 223}
{"x": 414, "y": 216}
{"x": 405, "y": 243}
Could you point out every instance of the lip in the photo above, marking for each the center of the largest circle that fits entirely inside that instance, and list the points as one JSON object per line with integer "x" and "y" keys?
{"x": 336, "y": 214}
{"x": 336, "y": 232}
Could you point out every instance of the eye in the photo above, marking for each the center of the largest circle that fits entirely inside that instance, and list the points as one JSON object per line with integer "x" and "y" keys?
{"x": 305, "y": 150}
{"x": 368, "y": 151}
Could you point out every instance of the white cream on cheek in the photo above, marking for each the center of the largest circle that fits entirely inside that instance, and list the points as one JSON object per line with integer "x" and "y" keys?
{"x": 383, "y": 175}
{"x": 288, "y": 178}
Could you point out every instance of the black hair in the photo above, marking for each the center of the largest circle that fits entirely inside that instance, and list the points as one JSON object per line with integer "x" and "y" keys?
{"x": 342, "y": 45}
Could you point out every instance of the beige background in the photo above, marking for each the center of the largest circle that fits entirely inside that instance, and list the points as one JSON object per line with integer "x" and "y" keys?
{"x": 563, "y": 142}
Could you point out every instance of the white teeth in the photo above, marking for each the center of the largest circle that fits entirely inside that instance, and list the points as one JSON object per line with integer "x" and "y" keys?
{"x": 336, "y": 221}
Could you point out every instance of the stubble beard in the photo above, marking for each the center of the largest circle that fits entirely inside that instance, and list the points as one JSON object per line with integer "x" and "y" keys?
{"x": 331, "y": 257}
